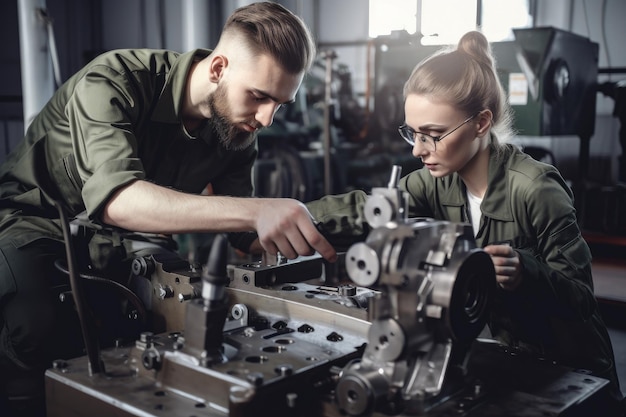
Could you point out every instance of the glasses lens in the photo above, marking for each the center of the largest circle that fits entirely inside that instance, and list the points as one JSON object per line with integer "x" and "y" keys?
{"x": 410, "y": 136}
{"x": 407, "y": 134}
{"x": 427, "y": 141}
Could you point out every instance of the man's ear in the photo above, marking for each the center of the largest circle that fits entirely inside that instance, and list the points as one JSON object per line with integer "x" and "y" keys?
{"x": 484, "y": 121}
{"x": 217, "y": 67}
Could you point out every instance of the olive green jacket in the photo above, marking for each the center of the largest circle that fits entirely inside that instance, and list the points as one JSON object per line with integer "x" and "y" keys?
{"x": 529, "y": 205}
{"x": 115, "y": 121}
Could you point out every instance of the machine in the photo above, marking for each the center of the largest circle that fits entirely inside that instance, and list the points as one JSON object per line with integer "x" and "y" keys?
{"x": 394, "y": 328}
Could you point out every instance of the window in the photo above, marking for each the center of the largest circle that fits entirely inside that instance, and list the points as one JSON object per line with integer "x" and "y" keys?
{"x": 387, "y": 16}
{"x": 499, "y": 17}
{"x": 445, "y": 21}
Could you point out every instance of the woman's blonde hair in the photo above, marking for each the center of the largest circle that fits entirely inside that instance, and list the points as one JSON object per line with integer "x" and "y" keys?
{"x": 466, "y": 78}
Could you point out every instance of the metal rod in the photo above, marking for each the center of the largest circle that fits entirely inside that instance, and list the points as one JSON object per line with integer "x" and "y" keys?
{"x": 328, "y": 57}
{"x": 396, "y": 171}
{"x": 36, "y": 68}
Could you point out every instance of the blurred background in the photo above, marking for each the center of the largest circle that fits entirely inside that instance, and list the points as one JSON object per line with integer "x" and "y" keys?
{"x": 562, "y": 63}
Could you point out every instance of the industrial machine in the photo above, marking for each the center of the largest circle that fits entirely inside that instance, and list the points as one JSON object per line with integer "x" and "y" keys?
{"x": 392, "y": 329}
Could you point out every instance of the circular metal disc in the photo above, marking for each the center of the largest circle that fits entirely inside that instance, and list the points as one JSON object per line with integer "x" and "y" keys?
{"x": 362, "y": 264}
{"x": 378, "y": 211}
{"x": 388, "y": 337}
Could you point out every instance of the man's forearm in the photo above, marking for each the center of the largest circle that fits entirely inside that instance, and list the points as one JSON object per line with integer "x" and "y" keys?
{"x": 145, "y": 207}
{"x": 283, "y": 225}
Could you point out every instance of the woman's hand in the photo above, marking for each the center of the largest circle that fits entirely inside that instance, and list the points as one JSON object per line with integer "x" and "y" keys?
{"x": 507, "y": 265}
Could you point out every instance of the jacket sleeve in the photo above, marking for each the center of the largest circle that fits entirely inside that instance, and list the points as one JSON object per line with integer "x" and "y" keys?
{"x": 558, "y": 275}
{"x": 102, "y": 115}
{"x": 341, "y": 218}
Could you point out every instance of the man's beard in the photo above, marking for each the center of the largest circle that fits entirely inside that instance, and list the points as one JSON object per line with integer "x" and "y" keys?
{"x": 230, "y": 136}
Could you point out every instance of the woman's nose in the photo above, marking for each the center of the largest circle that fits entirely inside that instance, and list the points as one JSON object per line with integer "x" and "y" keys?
{"x": 419, "y": 149}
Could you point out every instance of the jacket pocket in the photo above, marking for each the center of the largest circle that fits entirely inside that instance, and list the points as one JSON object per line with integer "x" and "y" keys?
{"x": 575, "y": 251}
{"x": 69, "y": 183}
{"x": 72, "y": 172}
{"x": 7, "y": 280}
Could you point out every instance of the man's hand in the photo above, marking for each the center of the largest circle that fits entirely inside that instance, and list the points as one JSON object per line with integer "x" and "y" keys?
{"x": 286, "y": 226}
{"x": 507, "y": 265}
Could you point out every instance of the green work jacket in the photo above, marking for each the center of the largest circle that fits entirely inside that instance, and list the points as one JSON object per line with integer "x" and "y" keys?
{"x": 115, "y": 121}
{"x": 528, "y": 205}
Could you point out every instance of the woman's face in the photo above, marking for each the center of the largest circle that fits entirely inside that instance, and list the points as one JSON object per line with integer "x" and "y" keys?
{"x": 436, "y": 118}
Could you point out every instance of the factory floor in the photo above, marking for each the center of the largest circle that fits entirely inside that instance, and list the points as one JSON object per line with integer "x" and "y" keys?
{"x": 609, "y": 275}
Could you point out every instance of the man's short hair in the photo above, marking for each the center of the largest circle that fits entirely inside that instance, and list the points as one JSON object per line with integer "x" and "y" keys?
{"x": 272, "y": 29}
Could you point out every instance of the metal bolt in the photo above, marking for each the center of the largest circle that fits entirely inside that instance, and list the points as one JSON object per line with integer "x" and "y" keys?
{"x": 164, "y": 291}
{"x": 240, "y": 395}
{"x": 284, "y": 370}
{"x": 146, "y": 337}
{"x": 237, "y": 311}
{"x": 255, "y": 378}
{"x": 151, "y": 359}
{"x": 292, "y": 397}
{"x": 184, "y": 297}
{"x": 347, "y": 290}
{"x": 66, "y": 296}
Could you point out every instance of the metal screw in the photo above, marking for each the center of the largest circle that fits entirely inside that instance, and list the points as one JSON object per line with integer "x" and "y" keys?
{"x": 347, "y": 290}
{"x": 292, "y": 397}
{"x": 184, "y": 297}
{"x": 146, "y": 337}
{"x": 164, "y": 291}
{"x": 284, "y": 370}
{"x": 255, "y": 378}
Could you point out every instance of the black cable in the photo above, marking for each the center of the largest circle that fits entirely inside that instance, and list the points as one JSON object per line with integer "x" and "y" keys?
{"x": 119, "y": 288}
{"x": 91, "y": 341}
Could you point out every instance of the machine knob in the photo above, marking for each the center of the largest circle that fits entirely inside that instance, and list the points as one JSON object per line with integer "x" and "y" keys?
{"x": 142, "y": 266}
{"x": 215, "y": 277}
{"x": 358, "y": 390}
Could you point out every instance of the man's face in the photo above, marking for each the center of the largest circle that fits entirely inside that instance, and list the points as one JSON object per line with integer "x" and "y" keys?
{"x": 247, "y": 98}
{"x": 232, "y": 136}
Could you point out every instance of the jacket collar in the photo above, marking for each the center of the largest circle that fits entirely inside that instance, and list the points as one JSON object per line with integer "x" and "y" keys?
{"x": 170, "y": 101}
{"x": 494, "y": 203}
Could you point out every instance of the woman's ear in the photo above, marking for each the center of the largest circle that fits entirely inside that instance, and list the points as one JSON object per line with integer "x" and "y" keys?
{"x": 483, "y": 122}
{"x": 217, "y": 67}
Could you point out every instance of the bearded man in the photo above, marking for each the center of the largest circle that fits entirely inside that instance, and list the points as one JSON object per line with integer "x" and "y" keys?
{"x": 132, "y": 140}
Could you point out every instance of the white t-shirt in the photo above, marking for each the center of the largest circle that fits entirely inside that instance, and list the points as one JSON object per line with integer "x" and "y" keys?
{"x": 475, "y": 213}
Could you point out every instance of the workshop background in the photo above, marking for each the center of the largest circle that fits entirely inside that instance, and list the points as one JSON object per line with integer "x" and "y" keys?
{"x": 341, "y": 134}
{"x": 568, "y": 57}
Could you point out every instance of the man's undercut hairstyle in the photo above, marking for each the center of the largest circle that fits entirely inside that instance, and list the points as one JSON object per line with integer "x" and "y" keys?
{"x": 272, "y": 29}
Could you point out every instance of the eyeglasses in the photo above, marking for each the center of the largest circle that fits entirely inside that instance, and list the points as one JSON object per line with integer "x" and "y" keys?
{"x": 429, "y": 142}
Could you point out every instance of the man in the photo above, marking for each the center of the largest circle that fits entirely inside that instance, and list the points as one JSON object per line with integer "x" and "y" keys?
{"x": 132, "y": 139}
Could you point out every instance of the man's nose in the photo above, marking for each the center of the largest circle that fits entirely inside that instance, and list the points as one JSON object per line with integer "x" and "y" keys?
{"x": 265, "y": 113}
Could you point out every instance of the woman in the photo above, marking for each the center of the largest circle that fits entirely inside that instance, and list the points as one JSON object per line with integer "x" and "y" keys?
{"x": 521, "y": 210}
